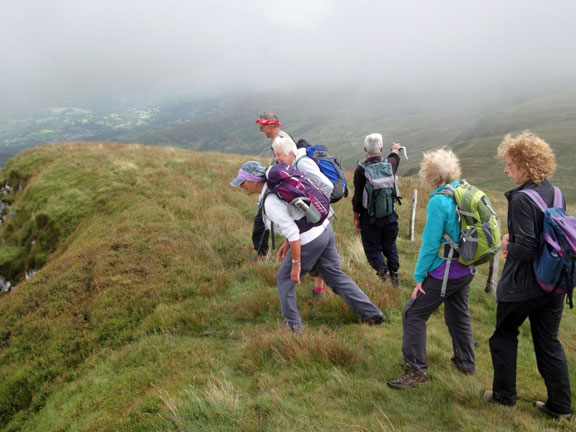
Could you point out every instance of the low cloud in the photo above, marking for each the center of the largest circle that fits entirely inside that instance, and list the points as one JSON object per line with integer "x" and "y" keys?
{"x": 66, "y": 51}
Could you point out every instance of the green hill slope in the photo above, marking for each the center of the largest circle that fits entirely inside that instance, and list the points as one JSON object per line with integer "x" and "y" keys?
{"x": 146, "y": 312}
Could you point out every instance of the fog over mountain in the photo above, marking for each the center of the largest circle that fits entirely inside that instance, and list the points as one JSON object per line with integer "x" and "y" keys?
{"x": 70, "y": 52}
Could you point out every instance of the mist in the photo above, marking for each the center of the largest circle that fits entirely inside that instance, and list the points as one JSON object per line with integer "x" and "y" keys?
{"x": 70, "y": 51}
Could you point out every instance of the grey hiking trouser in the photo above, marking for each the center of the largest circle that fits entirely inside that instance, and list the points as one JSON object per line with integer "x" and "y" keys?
{"x": 417, "y": 311}
{"x": 321, "y": 252}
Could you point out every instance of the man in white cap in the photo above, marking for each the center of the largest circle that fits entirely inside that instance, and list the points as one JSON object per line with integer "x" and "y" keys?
{"x": 378, "y": 233}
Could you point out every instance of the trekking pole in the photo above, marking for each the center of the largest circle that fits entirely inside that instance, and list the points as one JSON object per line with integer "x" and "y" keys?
{"x": 402, "y": 149}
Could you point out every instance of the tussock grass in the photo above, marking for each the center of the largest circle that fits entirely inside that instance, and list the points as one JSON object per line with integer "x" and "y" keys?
{"x": 147, "y": 312}
{"x": 314, "y": 347}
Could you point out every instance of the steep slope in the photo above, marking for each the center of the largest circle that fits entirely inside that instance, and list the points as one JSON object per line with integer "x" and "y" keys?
{"x": 147, "y": 312}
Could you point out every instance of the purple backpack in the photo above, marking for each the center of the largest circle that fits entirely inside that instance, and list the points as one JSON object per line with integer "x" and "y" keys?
{"x": 295, "y": 188}
{"x": 555, "y": 264}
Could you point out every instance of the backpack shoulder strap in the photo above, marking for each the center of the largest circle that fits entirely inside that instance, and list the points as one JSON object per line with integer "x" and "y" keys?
{"x": 537, "y": 199}
{"x": 263, "y": 200}
{"x": 299, "y": 159}
{"x": 447, "y": 191}
{"x": 558, "y": 200}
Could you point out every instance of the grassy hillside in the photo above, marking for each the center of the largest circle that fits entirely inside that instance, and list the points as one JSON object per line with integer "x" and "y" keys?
{"x": 147, "y": 312}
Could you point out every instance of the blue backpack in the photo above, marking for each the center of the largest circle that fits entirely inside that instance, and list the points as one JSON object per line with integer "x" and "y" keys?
{"x": 329, "y": 166}
{"x": 555, "y": 265}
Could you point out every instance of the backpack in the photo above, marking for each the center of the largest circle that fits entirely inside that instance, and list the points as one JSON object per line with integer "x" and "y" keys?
{"x": 329, "y": 166}
{"x": 555, "y": 265}
{"x": 293, "y": 187}
{"x": 380, "y": 192}
{"x": 479, "y": 228}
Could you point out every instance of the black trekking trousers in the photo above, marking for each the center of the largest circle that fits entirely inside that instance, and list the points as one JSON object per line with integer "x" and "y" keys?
{"x": 544, "y": 314}
{"x": 379, "y": 242}
{"x": 260, "y": 235}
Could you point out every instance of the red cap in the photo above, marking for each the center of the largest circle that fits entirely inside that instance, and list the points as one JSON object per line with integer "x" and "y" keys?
{"x": 268, "y": 122}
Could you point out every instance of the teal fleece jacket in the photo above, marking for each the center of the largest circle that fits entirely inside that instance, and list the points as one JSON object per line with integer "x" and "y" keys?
{"x": 441, "y": 217}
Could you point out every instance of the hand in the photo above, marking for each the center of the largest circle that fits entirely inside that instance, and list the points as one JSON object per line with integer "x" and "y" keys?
{"x": 418, "y": 289}
{"x": 357, "y": 226}
{"x": 395, "y": 148}
{"x": 295, "y": 273}
{"x": 505, "y": 241}
{"x": 282, "y": 251}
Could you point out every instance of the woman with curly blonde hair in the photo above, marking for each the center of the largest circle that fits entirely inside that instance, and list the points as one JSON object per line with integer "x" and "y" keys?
{"x": 529, "y": 163}
{"x": 439, "y": 169}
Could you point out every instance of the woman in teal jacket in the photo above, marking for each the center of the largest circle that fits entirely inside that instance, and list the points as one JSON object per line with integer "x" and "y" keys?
{"x": 438, "y": 170}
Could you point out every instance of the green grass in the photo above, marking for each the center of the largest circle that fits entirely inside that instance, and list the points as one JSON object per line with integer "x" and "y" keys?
{"x": 148, "y": 314}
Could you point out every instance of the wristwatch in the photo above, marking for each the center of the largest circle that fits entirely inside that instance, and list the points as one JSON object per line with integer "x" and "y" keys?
{"x": 295, "y": 261}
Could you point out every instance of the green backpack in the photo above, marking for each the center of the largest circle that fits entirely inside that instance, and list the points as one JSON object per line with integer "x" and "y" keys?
{"x": 380, "y": 193}
{"x": 478, "y": 226}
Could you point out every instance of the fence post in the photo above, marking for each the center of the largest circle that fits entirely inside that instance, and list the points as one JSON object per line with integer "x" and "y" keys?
{"x": 413, "y": 213}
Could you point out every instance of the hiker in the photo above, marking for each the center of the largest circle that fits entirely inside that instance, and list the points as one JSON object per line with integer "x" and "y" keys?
{"x": 303, "y": 250}
{"x": 285, "y": 151}
{"x": 269, "y": 126}
{"x": 529, "y": 163}
{"x": 437, "y": 169}
{"x": 378, "y": 233}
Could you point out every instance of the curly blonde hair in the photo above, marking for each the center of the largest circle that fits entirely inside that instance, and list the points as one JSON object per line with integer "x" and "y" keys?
{"x": 529, "y": 153}
{"x": 439, "y": 167}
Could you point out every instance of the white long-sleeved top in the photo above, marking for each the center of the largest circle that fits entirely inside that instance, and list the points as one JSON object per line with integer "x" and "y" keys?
{"x": 283, "y": 216}
{"x": 306, "y": 165}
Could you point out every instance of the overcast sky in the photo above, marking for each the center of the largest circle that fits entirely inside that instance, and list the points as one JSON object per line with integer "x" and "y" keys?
{"x": 55, "y": 51}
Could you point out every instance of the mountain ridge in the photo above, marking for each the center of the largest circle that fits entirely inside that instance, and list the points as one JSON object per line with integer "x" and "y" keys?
{"x": 147, "y": 312}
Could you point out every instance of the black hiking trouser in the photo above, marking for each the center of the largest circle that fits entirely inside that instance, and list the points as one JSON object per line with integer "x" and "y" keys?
{"x": 544, "y": 314}
{"x": 379, "y": 242}
{"x": 456, "y": 315}
{"x": 260, "y": 235}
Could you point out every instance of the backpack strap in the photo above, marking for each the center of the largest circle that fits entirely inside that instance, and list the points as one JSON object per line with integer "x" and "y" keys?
{"x": 268, "y": 192}
{"x": 299, "y": 159}
{"x": 449, "y": 258}
{"x": 449, "y": 192}
{"x": 558, "y": 201}
{"x": 537, "y": 198}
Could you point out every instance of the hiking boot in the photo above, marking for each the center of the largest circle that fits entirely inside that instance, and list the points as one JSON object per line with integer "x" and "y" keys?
{"x": 489, "y": 396}
{"x": 317, "y": 293}
{"x": 294, "y": 327}
{"x": 457, "y": 363}
{"x": 541, "y": 406}
{"x": 383, "y": 275}
{"x": 374, "y": 320}
{"x": 261, "y": 257}
{"x": 394, "y": 279}
{"x": 410, "y": 378}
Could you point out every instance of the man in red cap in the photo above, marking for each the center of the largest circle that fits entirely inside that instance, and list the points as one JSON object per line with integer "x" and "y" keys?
{"x": 269, "y": 126}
